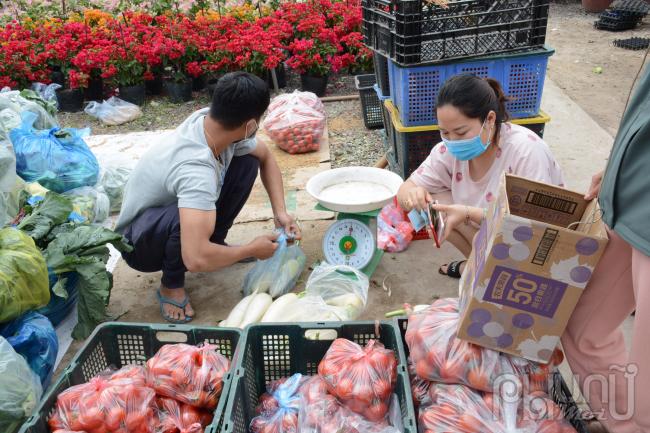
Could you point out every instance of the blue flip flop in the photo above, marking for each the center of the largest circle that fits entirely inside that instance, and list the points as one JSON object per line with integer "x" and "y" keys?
{"x": 163, "y": 300}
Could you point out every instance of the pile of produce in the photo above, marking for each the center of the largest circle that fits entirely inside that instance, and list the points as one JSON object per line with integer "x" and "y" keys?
{"x": 296, "y": 122}
{"x": 457, "y": 386}
{"x": 355, "y": 399}
{"x": 175, "y": 392}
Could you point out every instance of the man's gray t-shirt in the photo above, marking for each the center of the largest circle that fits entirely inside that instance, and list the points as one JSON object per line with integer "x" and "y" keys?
{"x": 180, "y": 168}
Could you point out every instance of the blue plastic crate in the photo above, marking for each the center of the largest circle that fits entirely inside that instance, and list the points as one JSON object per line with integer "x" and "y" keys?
{"x": 414, "y": 90}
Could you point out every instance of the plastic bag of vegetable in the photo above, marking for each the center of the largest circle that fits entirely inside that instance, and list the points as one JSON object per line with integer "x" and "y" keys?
{"x": 23, "y": 275}
{"x": 13, "y": 102}
{"x": 10, "y": 184}
{"x": 88, "y": 204}
{"x": 20, "y": 388}
{"x": 394, "y": 232}
{"x": 33, "y": 336}
{"x": 363, "y": 378}
{"x": 113, "y": 111}
{"x": 278, "y": 274}
{"x": 58, "y": 159}
{"x": 277, "y": 411}
{"x": 190, "y": 374}
{"x": 296, "y": 122}
{"x": 47, "y": 92}
{"x": 113, "y": 181}
{"x": 340, "y": 286}
{"x": 120, "y": 403}
{"x": 441, "y": 357}
{"x": 176, "y": 417}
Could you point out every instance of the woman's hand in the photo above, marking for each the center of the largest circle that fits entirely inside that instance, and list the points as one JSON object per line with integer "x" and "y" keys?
{"x": 594, "y": 188}
{"x": 412, "y": 196}
{"x": 456, "y": 215}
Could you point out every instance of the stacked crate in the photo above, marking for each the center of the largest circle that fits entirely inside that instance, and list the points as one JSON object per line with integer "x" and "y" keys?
{"x": 422, "y": 43}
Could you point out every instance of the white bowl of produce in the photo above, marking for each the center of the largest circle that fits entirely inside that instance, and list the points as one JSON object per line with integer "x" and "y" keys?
{"x": 354, "y": 189}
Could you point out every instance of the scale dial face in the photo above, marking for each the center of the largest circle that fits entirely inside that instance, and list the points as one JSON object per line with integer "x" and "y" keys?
{"x": 349, "y": 242}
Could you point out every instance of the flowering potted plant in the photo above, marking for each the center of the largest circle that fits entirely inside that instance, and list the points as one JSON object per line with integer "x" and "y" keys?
{"x": 312, "y": 58}
{"x": 180, "y": 54}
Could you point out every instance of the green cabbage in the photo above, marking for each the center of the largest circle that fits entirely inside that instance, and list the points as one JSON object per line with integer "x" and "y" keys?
{"x": 24, "y": 283}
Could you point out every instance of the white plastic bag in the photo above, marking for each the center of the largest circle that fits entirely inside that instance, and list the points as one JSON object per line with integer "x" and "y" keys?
{"x": 113, "y": 181}
{"x": 113, "y": 111}
{"x": 89, "y": 204}
{"x": 296, "y": 122}
{"x": 340, "y": 286}
{"x": 10, "y": 184}
{"x": 12, "y": 105}
{"x": 47, "y": 92}
{"x": 20, "y": 388}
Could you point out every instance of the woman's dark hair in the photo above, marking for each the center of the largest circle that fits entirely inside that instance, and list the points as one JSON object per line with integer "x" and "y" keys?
{"x": 475, "y": 97}
{"x": 239, "y": 97}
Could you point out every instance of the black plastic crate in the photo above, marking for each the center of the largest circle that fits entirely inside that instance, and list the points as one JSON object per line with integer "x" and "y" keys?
{"x": 413, "y": 144}
{"x": 370, "y": 104}
{"x": 116, "y": 344}
{"x": 559, "y": 391}
{"x": 414, "y": 32}
{"x": 271, "y": 352}
{"x": 381, "y": 73}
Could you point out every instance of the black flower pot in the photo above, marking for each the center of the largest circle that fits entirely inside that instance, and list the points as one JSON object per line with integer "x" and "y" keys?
{"x": 211, "y": 85}
{"x": 70, "y": 100}
{"x": 317, "y": 85}
{"x": 198, "y": 83}
{"x": 95, "y": 90}
{"x": 281, "y": 76}
{"x": 155, "y": 86}
{"x": 133, "y": 94}
{"x": 57, "y": 77}
{"x": 179, "y": 92}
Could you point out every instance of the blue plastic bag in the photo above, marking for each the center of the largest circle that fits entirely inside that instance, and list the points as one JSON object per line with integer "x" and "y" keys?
{"x": 59, "y": 308}
{"x": 278, "y": 408}
{"x": 33, "y": 336}
{"x": 58, "y": 159}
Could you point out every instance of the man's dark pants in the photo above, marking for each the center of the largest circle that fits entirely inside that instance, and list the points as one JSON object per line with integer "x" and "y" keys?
{"x": 156, "y": 233}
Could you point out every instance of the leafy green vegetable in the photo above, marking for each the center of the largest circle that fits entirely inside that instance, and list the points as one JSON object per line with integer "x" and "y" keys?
{"x": 49, "y": 106}
{"x": 82, "y": 249}
{"x": 52, "y": 211}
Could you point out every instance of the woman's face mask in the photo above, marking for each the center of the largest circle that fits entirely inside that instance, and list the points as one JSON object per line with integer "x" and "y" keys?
{"x": 468, "y": 148}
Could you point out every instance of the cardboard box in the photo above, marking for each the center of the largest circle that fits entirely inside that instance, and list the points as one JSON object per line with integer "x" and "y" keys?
{"x": 532, "y": 258}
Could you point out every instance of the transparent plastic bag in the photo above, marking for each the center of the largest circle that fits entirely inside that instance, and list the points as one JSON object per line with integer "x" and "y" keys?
{"x": 20, "y": 388}
{"x": 10, "y": 184}
{"x": 33, "y": 336}
{"x": 190, "y": 374}
{"x": 441, "y": 357}
{"x": 88, "y": 204}
{"x": 394, "y": 232}
{"x": 362, "y": 378}
{"x": 296, "y": 122}
{"x": 120, "y": 402}
{"x": 176, "y": 417}
{"x": 47, "y": 92}
{"x": 12, "y": 101}
{"x": 113, "y": 181}
{"x": 314, "y": 309}
{"x": 340, "y": 286}
{"x": 277, "y": 411}
{"x": 58, "y": 159}
{"x": 277, "y": 275}
{"x": 113, "y": 111}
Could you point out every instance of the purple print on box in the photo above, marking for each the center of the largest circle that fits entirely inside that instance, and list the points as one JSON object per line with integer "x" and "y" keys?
{"x": 475, "y": 330}
{"x": 480, "y": 315}
{"x": 587, "y": 246}
{"x": 504, "y": 341}
{"x": 523, "y": 233}
{"x": 523, "y": 321}
{"x": 580, "y": 274}
{"x": 524, "y": 291}
{"x": 500, "y": 251}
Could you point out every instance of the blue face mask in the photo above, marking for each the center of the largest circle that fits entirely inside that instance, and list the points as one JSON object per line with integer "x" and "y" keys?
{"x": 469, "y": 148}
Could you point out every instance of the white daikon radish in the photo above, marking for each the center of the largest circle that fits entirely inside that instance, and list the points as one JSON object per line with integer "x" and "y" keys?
{"x": 278, "y": 310}
{"x": 236, "y": 316}
{"x": 255, "y": 311}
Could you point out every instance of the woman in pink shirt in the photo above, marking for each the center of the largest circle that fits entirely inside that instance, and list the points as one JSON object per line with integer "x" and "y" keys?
{"x": 478, "y": 145}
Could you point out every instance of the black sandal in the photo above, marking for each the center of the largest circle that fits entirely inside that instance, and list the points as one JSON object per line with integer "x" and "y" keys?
{"x": 453, "y": 269}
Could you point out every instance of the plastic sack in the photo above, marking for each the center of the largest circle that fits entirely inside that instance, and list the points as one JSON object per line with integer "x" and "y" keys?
{"x": 113, "y": 111}
{"x": 88, "y": 204}
{"x": 113, "y": 181}
{"x": 117, "y": 403}
{"x": 33, "y": 336}
{"x": 296, "y": 122}
{"x": 340, "y": 286}
{"x": 10, "y": 184}
{"x": 314, "y": 309}
{"x": 59, "y": 307}
{"x": 47, "y": 92}
{"x": 177, "y": 417}
{"x": 58, "y": 159}
{"x": 394, "y": 232}
{"x": 441, "y": 357}
{"x": 278, "y": 409}
{"x": 278, "y": 274}
{"x": 23, "y": 275}
{"x": 363, "y": 379}
{"x": 459, "y": 409}
{"x": 20, "y": 388}
{"x": 12, "y": 102}
{"x": 190, "y": 374}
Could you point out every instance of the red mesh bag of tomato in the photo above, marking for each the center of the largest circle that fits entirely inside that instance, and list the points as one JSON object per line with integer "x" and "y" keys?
{"x": 296, "y": 122}
{"x": 362, "y": 378}
{"x": 277, "y": 411}
{"x": 177, "y": 417}
{"x": 107, "y": 404}
{"x": 439, "y": 356}
{"x": 190, "y": 374}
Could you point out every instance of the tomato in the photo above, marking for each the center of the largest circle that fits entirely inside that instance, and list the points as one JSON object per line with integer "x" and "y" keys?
{"x": 478, "y": 380}
{"x": 425, "y": 370}
{"x": 376, "y": 412}
{"x": 134, "y": 420}
{"x": 468, "y": 423}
